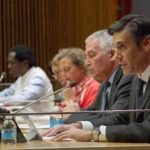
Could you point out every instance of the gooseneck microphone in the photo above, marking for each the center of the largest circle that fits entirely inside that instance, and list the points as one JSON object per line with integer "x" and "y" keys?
{"x": 33, "y": 134}
{"x": 3, "y": 75}
{"x": 71, "y": 84}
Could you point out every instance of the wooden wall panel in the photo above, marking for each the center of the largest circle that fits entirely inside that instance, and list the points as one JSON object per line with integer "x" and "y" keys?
{"x": 1, "y": 39}
{"x": 47, "y": 25}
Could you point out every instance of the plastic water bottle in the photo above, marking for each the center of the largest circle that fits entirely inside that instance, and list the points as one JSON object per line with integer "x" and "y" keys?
{"x": 55, "y": 121}
{"x": 8, "y": 132}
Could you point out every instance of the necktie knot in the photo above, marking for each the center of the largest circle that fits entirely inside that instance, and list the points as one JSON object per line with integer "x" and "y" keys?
{"x": 106, "y": 85}
{"x": 140, "y": 86}
{"x": 141, "y": 82}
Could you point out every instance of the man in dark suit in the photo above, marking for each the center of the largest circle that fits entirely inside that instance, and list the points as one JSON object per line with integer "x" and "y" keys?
{"x": 101, "y": 65}
{"x": 131, "y": 36}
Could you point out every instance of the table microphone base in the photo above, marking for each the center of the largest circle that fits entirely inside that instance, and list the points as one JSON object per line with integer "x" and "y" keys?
{"x": 33, "y": 134}
{"x": 20, "y": 136}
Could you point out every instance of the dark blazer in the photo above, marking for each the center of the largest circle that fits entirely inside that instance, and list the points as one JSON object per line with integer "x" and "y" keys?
{"x": 138, "y": 129}
{"x": 117, "y": 100}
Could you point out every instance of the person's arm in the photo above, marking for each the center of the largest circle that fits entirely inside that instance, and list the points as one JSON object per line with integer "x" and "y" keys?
{"x": 7, "y": 92}
{"x": 120, "y": 99}
{"x": 121, "y": 95}
{"x": 33, "y": 90}
{"x": 134, "y": 132}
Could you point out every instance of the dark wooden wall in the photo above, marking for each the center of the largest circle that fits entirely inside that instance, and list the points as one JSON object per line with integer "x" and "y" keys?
{"x": 47, "y": 25}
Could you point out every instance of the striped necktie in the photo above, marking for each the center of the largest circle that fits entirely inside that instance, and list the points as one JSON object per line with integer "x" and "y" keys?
{"x": 105, "y": 96}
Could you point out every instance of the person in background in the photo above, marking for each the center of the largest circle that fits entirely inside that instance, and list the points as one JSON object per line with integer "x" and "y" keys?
{"x": 55, "y": 70}
{"x": 131, "y": 37}
{"x": 31, "y": 82}
{"x": 56, "y": 77}
{"x": 72, "y": 67}
{"x": 114, "y": 91}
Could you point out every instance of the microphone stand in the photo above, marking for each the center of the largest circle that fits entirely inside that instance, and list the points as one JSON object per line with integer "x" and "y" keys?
{"x": 42, "y": 98}
{"x": 33, "y": 134}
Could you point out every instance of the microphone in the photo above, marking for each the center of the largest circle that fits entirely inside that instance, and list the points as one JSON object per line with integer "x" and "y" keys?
{"x": 3, "y": 75}
{"x": 71, "y": 84}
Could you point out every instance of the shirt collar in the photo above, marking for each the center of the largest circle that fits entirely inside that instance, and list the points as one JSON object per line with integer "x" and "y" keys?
{"x": 145, "y": 75}
{"x": 112, "y": 76}
{"x": 27, "y": 73}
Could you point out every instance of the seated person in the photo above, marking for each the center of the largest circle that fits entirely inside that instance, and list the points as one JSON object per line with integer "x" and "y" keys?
{"x": 72, "y": 67}
{"x": 31, "y": 82}
{"x": 56, "y": 77}
{"x": 55, "y": 70}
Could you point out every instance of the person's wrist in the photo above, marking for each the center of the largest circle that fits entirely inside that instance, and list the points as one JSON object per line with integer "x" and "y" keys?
{"x": 77, "y": 125}
{"x": 89, "y": 135}
{"x": 95, "y": 134}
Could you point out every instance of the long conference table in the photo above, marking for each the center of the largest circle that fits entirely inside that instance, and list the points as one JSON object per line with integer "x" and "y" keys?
{"x": 73, "y": 145}
{"x": 69, "y": 144}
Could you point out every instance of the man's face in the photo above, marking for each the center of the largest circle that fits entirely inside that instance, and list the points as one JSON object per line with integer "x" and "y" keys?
{"x": 97, "y": 60}
{"x": 129, "y": 53}
{"x": 15, "y": 67}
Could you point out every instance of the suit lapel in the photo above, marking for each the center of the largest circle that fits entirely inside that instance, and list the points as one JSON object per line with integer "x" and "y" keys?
{"x": 147, "y": 94}
{"x": 98, "y": 103}
{"x": 100, "y": 97}
{"x": 115, "y": 82}
{"x": 145, "y": 97}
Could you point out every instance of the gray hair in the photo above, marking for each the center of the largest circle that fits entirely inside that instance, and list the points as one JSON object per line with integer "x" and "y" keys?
{"x": 105, "y": 40}
{"x": 76, "y": 55}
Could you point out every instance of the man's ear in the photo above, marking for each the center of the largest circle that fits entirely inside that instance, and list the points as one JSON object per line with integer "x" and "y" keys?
{"x": 112, "y": 54}
{"x": 146, "y": 44}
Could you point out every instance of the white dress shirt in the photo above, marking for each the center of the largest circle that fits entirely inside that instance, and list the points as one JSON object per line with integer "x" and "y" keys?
{"x": 145, "y": 77}
{"x": 33, "y": 85}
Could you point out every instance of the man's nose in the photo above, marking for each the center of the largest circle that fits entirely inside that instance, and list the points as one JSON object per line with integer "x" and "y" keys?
{"x": 87, "y": 62}
{"x": 117, "y": 56}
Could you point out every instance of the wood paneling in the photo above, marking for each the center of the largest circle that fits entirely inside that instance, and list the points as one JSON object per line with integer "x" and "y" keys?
{"x": 47, "y": 25}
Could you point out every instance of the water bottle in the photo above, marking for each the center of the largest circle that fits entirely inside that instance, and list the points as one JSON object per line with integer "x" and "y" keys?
{"x": 55, "y": 121}
{"x": 8, "y": 132}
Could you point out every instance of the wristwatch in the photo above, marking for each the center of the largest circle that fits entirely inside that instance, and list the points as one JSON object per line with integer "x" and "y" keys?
{"x": 96, "y": 132}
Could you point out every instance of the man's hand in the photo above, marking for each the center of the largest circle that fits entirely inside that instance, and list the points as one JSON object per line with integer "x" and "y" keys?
{"x": 57, "y": 129}
{"x": 76, "y": 134}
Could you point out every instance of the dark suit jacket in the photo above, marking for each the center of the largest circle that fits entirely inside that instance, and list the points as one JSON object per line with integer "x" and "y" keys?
{"x": 119, "y": 92}
{"x": 138, "y": 129}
